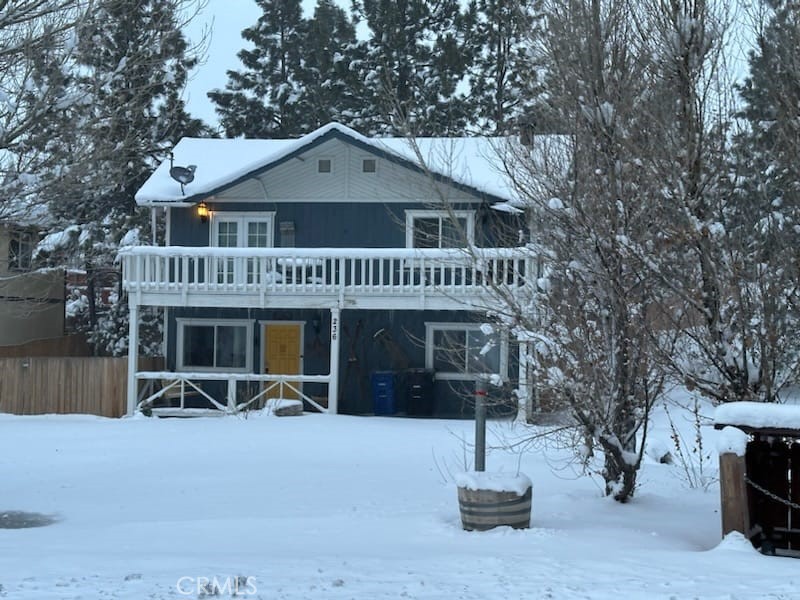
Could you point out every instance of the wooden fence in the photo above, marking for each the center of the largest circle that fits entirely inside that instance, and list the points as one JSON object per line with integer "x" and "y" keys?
{"x": 68, "y": 345}
{"x": 41, "y": 385}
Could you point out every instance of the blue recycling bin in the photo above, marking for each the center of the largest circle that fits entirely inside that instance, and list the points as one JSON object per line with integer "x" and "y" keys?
{"x": 383, "y": 393}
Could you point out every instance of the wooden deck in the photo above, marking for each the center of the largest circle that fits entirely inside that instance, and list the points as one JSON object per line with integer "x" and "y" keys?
{"x": 374, "y": 278}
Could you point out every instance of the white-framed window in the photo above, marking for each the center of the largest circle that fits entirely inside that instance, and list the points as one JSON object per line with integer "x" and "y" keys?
{"x": 20, "y": 250}
{"x": 439, "y": 228}
{"x": 324, "y": 166}
{"x": 241, "y": 230}
{"x": 462, "y": 351}
{"x": 214, "y": 345}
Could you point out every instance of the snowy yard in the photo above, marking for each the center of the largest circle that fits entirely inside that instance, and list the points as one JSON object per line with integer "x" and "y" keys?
{"x": 341, "y": 507}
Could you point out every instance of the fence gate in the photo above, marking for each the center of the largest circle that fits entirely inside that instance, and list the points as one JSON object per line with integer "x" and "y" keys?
{"x": 773, "y": 494}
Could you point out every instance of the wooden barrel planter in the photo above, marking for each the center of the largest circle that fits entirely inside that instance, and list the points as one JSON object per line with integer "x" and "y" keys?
{"x": 485, "y": 506}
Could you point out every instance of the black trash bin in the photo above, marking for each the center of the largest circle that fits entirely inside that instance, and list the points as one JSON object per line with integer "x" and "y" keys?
{"x": 384, "y": 393}
{"x": 420, "y": 394}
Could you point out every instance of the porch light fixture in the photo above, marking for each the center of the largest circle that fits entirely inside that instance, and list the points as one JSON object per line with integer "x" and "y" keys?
{"x": 202, "y": 212}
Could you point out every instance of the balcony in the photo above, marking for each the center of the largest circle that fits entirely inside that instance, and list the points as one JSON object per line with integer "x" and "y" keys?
{"x": 366, "y": 278}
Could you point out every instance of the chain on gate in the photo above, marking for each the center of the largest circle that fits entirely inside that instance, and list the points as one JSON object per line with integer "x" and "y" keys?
{"x": 772, "y": 495}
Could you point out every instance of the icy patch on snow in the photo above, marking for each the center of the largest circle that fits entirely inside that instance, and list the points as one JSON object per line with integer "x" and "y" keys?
{"x": 494, "y": 481}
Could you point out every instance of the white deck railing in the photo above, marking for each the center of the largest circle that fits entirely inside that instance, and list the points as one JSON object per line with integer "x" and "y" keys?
{"x": 357, "y": 272}
{"x": 187, "y": 384}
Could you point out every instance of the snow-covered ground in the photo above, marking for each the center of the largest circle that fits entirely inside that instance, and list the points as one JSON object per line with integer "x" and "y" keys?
{"x": 343, "y": 507}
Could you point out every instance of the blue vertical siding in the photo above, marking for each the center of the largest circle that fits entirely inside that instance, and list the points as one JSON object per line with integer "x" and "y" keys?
{"x": 362, "y": 354}
{"x": 339, "y": 225}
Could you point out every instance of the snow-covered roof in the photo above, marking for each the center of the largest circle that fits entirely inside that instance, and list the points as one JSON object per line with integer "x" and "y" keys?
{"x": 221, "y": 163}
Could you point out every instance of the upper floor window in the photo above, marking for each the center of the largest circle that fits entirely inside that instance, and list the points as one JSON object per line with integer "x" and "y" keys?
{"x": 369, "y": 165}
{"x": 440, "y": 228}
{"x": 241, "y": 230}
{"x": 324, "y": 165}
{"x": 20, "y": 250}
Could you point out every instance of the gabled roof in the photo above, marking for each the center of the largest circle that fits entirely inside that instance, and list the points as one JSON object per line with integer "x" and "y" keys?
{"x": 468, "y": 163}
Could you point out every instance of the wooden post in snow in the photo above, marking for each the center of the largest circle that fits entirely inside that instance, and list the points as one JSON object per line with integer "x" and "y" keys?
{"x": 481, "y": 387}
{"x": 733, "y": 493}
{"x": 333, "y": 382}
{"x": 133, "y": 355}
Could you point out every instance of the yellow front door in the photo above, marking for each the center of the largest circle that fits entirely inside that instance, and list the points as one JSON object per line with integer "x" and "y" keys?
{"x": 282, "y": 356}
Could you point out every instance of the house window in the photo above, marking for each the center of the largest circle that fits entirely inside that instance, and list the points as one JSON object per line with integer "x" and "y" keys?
{"x": 207, "y": 345}
{"x": 324, "y": 165}
{"x": 240, "y": 230}
{"x": 368, "y": 165}
{"x": 20, "y": 250}
{"x": 460, "y": 351}
{"x": 440, "y": 228}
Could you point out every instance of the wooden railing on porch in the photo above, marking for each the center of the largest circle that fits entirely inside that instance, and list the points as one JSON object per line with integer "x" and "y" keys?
{"x": 185, "y": 383}
{"x": 358, "y": 272}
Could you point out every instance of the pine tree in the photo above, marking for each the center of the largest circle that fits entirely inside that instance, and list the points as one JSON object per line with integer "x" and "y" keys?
{"x": 129, "y": 66}
{"x": 503, "y": 75}
{"x": 264, "y": 99}
{"x": 331, "y": 88}
{"x": 413, "y": 62}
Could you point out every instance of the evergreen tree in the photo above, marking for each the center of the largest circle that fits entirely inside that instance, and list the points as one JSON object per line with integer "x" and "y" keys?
{"x": 129, "y": 67}
{"x": 331, "y": 88}
{"x": 414, "y": 60}
{"x": 265, "y": 99}
{"x": 503, "y": 75}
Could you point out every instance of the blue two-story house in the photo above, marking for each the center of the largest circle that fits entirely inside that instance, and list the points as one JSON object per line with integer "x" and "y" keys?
{"x": 353, "y": 273}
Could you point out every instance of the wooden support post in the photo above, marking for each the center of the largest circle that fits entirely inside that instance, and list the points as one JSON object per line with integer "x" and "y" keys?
{"x": 733, "y": 494}
{"x": 481, "y": 387}
{"x": 333, "y": 383}
{"x": 231, "y": 395}
{"x": 133, "y": 354}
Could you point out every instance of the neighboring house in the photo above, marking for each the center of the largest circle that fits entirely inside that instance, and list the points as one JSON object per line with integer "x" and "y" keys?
{"x": 31, "y": 301}
{"x": 325, "y": 268}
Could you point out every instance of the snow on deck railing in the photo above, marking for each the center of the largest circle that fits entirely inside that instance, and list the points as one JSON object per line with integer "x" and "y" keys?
{"x": 323, "y": 270}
